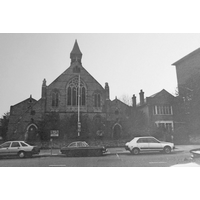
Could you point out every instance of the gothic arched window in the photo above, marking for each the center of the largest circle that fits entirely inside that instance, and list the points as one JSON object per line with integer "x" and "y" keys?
{"x": 55, "y": 98}
{"x": 73, "y": 91}
{"x": 97, "y": 100}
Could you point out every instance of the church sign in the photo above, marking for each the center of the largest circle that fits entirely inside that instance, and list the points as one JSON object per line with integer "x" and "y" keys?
{"x": 54, "y": 133}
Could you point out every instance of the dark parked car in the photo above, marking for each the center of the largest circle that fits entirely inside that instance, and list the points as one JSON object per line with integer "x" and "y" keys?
{"x": 18, "y": 148}
{"x": 81, "y": 148}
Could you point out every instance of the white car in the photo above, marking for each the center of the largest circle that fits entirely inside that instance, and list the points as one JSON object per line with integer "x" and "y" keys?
{"x": 148, "y": 143}
{"x": 18, "y": 148}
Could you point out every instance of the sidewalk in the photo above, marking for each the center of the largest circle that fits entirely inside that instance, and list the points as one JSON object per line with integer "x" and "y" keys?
{"x": 186, "y": 147}
{"x": 55, "y": 152}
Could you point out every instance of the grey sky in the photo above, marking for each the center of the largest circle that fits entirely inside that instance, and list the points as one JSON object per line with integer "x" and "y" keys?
{"x": 128, "y": 62}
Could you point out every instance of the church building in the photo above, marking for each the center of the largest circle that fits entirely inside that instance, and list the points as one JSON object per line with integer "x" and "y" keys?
{"x": 73, "y": 105}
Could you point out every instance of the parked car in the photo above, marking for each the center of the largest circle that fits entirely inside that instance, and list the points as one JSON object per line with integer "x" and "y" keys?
{"x": 149, "y": 143}
{"x": 81, "y": 148}
{"x": 18, "y": 148}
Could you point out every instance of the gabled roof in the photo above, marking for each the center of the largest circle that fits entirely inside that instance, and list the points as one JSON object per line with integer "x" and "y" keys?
{"x": 187, "y": 56}
{"x": 162, "y": 91}
{"x": 26, "y": 100}
{"x": 121, "y": 102}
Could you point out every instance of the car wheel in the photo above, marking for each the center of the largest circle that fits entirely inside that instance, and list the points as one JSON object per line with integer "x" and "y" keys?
{"x": 135, "y": 151}
{"x": 21, "y": 154}
{"x": 167, "y": 150}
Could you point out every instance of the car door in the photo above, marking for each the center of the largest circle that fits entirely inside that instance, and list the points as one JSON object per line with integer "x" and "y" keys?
{"x": 154, "y": 144}
{"x": 14, "y": 148}
{"x": 143, "y": 144}
{"x": 72, "y": 148}
{"x": 82, "y": 150}
{"x": 4, "y": 149}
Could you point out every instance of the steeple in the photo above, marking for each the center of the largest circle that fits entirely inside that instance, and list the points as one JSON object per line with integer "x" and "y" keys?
{"x": 75, "y": 54}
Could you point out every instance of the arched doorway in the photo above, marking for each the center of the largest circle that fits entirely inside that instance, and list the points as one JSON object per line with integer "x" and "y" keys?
{"x": 32, "y": 133}
{"x": 117, "y": 129}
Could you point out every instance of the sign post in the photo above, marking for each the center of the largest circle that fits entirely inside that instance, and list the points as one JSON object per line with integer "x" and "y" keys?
{"x": 53, "y": 134}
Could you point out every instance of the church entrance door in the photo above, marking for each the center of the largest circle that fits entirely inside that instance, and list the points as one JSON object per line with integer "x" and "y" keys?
{"x": 32, "y": 133}
{"x": 117, "y": 129}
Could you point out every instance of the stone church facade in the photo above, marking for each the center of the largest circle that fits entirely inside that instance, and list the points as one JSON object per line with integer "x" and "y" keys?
{"x": 56, "y": 112}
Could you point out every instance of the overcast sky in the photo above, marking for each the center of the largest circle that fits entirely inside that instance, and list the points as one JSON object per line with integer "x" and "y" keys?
{"x": 128, "y": 62}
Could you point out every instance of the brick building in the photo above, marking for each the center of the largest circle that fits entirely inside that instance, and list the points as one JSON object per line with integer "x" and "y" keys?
{"x": 56, "y": 113}
{"x": 162, "y": 114}
{"x": 186, "y": 68}
{"x": 188, "y": 78}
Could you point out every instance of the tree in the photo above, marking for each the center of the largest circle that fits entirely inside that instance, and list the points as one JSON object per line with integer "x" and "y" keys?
{"x": 4, "y": 125}
{"x": 126, "y": 99}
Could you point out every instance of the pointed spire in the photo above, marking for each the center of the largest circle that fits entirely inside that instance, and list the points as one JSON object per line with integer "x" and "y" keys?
{"x": 75, "y": 54}
{"x": 44, "y": 83}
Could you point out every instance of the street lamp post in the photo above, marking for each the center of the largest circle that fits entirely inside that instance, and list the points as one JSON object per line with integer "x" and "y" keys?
{"x": 79, "y": 122}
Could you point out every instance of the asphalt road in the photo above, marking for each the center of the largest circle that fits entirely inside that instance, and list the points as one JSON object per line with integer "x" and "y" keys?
{"x": 114, "y": 158}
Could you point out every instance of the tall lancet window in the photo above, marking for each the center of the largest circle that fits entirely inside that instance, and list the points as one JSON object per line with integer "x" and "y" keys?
{"x": 97, "y": 100}
{"x": 55, "y": 98}
{"x": 73, "y": 91}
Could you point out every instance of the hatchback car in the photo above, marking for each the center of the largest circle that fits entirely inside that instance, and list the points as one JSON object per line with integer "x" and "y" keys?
{"x": 149, "y": 143}
{"x": 18, "y": 148}
{"x": 81, "y": 148}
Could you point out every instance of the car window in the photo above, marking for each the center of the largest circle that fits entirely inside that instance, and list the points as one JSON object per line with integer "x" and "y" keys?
{"x": 142, "y": 140}
{"x": 24, "y": 144}
{"x": 15, "y": 144}
{"x": 72, "y": 144}
{"x": 139, "y": 140}
{"x": 83, "y": 144}
{"x": 5, "y": 145}
{"x": 152, "y": 140}
{"x": 80, "y": 144}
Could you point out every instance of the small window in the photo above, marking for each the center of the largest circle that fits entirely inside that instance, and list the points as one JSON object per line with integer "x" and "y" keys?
{"x": 97, "y": 100}
{"x": 55, "y": 99}
{"x": 15, "y": 144}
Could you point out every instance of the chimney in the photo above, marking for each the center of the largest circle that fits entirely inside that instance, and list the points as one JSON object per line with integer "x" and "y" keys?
{"x": 134, "y": 101}
{"x": 141, "y": 97}
{"x": 107, "y": 90}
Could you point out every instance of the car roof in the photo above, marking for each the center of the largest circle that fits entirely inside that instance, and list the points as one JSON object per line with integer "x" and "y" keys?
{"x": 77, "y": 141}
{"x": 144, "y": 137}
